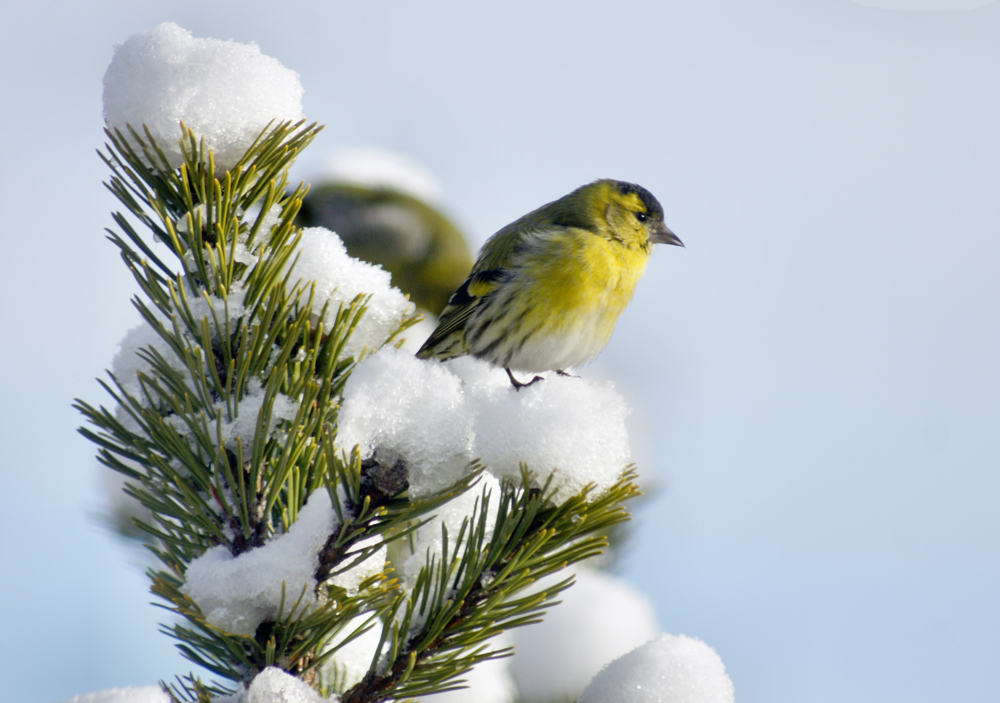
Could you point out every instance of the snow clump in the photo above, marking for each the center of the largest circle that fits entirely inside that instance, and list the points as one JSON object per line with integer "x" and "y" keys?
{"x": 670, "y": 669}
{"x": 223, "y": 90}
{"x": 273, "y": 685}
{"x": 439, "y": 417}
{"x": 128, "y": 363}
{"x": 351, "y": 578}
{"x": 236, "y": 594}
{"x": 571, "y": 429}
{"x": 221, "y": 314}
{"x": 600, "y": 618}
{"x": 339, "y": 278}
{"x": 234, "y": 430}
{"x": 399, "y": 407}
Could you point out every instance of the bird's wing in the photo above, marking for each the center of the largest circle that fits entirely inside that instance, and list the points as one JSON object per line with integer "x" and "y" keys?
{"x": 448, "y": 339}
{"x": 498, "y": 261}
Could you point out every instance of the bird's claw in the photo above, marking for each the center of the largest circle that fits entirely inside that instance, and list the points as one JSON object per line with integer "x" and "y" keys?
{"x": 517, "y": 384}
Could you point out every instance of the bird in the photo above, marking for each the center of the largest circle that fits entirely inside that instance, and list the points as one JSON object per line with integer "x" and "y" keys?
{"x": 546, "y": 290}
{"x": 413, "y": 240}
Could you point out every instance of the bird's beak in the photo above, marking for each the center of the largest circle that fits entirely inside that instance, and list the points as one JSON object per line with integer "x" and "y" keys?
{"x": 662, "y": 235}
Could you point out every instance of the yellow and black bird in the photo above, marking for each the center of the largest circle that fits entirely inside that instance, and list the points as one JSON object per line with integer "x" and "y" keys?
{"x": 547, "y": 289}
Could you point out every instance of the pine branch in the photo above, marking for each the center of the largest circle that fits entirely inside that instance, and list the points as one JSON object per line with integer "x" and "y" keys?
{"x": 229, "y": 427}
{"x": 477, "y": 591}
{"x": 233, "y": 330}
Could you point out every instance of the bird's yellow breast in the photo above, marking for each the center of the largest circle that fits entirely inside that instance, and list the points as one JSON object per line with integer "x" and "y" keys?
{"x": 585, "y": 275}
{"x": 571, "y": 291}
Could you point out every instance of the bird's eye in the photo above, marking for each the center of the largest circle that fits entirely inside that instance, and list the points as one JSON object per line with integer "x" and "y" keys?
{"x": 641, "y": 216}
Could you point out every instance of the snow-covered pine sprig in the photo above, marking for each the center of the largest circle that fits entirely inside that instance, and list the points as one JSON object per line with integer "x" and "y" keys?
{"x": 226, "y": 429}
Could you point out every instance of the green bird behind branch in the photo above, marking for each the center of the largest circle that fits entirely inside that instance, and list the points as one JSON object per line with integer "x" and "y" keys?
{"x": 415, "y": 242}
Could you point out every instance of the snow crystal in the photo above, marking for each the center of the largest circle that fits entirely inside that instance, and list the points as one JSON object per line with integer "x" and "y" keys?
{"x": 223, "y": 90}
{"x": 236, "y": 594}
{"x": 351, "y": 661}
{"x": 339, "y": 278}
{"x": 247, "y": 254}
{"x": 221, "y": 313}
{"x": 380, "y": 168}
{"x": 428, "y": 538}
{"x": 129, "y": 694}
{"x": 670, "y": 669}
{"x": 600, "y": 618}
{"x": 570, "y": 428}
{"x": 241, "y": 429}
{"x": 397, "y": 406}
{"x": 273, "y": 685}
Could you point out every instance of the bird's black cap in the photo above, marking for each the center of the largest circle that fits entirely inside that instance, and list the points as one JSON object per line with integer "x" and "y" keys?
{"x": 653, "y": 207}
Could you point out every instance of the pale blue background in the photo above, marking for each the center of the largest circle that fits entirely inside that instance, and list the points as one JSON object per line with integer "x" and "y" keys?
{"x": 816, "y": 375}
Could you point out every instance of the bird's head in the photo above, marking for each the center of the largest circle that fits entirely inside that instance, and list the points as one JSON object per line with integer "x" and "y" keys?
{"x": 630, "y": 213}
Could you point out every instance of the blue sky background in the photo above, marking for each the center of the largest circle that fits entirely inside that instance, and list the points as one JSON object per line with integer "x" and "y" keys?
{"x": 815, "y": 377}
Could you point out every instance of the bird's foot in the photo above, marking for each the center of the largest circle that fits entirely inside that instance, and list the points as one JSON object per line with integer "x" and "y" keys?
{"x": 567, "y": 374}
{"x": 517, "y": 384}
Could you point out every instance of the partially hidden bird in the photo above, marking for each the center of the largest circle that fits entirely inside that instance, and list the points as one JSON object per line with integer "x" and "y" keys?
{"x": 406, "y": 235}
{"x": 547, "y": 289}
